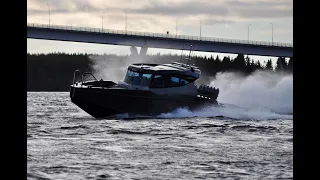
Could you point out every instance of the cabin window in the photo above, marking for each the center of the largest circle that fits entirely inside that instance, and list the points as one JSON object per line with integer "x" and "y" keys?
{"x": 146, "y": 79}
{"x": 174, "y": 81}
{"x": 183, "y": 82}
{"x": 158, "y": 81}
{"x": 137, "y": 78}
{"x": 165, "y": 81}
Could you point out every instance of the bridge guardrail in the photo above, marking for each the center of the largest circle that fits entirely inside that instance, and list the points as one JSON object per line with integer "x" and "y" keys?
{"x": 161, "y": 35}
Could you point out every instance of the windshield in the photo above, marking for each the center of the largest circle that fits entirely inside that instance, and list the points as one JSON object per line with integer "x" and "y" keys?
{"x": 137, "y": 78}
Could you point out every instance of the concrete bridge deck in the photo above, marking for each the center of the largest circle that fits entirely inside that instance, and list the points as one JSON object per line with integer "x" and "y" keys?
{"x": 157, "y": 40}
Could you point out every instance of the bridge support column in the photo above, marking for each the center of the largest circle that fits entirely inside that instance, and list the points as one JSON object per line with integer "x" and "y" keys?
{"x": 134, "y": 51}
{"x": 143, "y": 50}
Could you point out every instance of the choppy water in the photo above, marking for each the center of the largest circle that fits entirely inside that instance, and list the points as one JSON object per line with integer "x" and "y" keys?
{"x": 66, "y": 143}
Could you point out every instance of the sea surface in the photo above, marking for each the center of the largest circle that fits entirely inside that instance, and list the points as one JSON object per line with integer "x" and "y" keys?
{"x": 63, "y": 142}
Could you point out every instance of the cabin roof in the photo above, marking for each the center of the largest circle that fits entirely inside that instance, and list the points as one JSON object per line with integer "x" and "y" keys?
{"x": 174, "y": 66}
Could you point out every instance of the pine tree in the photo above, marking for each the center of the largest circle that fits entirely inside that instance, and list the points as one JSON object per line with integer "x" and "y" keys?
{"x": 269, "y": 65}
{"x": 225, "y": 64}
{"x": 217, "y": 58}
{"x": 258, "y": 65}
{"x": 281, "y": 64}
{"x": 239, "y": 63}
{"x": 247, "y": 61}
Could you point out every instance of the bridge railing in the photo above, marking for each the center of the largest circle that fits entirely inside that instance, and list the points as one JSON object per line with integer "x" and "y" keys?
{"x": 161, "y": 35}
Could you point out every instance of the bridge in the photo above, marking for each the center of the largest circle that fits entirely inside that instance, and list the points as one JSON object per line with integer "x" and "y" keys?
{"x": 157, "y": 40}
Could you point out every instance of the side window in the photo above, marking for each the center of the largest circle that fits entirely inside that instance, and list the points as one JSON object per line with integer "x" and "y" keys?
{"x": 158, "y": 81}
{"x": 186, "y": 80}
{"x": 164, "y": 81}
{"x": 174, "y": 81}
{"x": 183, "y": 82}
{"x": 128, "y": 77}
{"x": 145, "y": 80}
{"x": 136, "y": 78}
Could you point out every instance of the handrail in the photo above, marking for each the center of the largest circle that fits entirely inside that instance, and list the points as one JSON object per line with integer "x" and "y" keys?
{"x": 74, "y": 75}
{"x": 92, "y": 76}
{"x": 159, "y": 35}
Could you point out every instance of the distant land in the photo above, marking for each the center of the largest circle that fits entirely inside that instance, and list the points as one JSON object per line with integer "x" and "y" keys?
{"x": 54, "y": 71}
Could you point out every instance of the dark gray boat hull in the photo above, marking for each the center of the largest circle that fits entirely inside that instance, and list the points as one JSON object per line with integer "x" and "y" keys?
{"x": 104, "y": 102}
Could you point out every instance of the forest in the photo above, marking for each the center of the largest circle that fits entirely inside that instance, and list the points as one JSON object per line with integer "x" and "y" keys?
{"x": 54, "y": 71}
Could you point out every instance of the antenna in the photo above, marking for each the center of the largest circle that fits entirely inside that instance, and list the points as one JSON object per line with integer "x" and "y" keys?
{"x": 181, "y": 53}
{"x": 189, "y": 54}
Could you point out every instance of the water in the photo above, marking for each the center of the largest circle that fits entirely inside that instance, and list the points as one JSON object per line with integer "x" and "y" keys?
{"x": 233, "y": 143}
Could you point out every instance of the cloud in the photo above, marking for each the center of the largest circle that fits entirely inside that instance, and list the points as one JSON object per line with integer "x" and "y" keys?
{"x": 183, "y": 9}
{"x": 174, "y": 8}
{"x": 159, "y": 16}
{"x": 261, "y": 8}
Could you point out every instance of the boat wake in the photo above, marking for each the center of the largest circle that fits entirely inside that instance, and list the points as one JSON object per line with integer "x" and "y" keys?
{"x": 227, "y": 111}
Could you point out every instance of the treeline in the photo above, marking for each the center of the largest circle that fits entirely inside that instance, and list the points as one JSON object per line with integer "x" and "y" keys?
{"x": 54, "y": 71}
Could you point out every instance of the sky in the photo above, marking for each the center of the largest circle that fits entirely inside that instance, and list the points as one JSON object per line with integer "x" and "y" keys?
{"x": 217, "y": 18}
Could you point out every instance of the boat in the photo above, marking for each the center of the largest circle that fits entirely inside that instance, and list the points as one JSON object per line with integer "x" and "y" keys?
{"x": 147, "y": 89}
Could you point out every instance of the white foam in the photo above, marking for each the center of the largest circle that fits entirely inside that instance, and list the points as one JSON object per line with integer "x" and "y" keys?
{"x": 267, "y": 90}
{"x": 260, "y": 96}
{"x": 229, "y": 111}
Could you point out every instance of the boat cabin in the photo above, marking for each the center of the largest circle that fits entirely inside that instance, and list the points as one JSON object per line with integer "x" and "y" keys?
{"x": 161, "y": 76}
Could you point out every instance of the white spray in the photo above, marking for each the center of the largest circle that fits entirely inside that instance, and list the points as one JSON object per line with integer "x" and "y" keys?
{"x": 260, "y": 96}
{"x": 269, "y": 90}
{"x": 111, "y": 67}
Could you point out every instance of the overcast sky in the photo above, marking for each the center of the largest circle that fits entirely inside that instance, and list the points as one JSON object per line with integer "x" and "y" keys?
{"x": 219, "y": 18}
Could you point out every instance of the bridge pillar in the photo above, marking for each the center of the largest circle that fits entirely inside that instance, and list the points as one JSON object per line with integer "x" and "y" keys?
{"x": 134, "y": 51}
{"x": 143, "y": 51}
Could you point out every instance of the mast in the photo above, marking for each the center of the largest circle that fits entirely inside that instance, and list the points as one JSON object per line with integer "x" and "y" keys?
{"x": 189, "y": 54}
{"x": 181, "y": 53}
